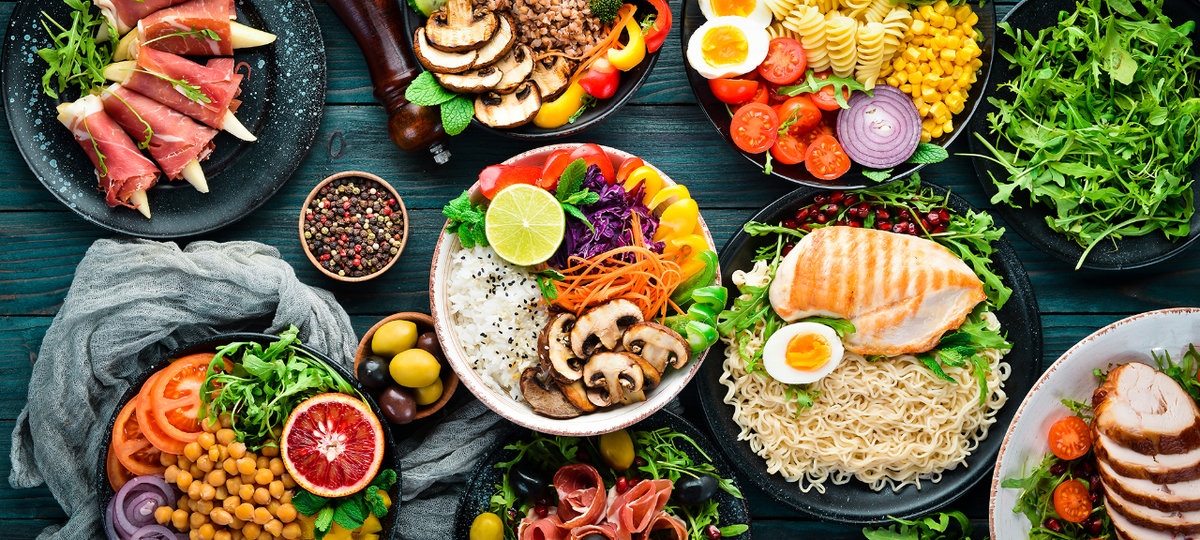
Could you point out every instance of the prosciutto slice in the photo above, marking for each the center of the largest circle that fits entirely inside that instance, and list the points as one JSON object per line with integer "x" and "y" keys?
{"x": 608, "y": 531}
{"x": 174, "y": 139}
{"x": 216, "y": 81}
{"x": 547, "y": 528}
{"x": 662, "y": 521}
{"x": 123, "y": 170}
{"x": 170, "y": 29}
{"x": 581, "y": 495}
{"x": 125, "y": 14}
{"x": 635, "y": 509}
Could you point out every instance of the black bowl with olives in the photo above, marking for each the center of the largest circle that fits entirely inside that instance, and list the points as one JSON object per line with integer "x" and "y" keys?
{"x": 400, "y": 361}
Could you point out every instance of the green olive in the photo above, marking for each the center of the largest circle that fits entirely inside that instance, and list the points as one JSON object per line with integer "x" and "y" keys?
{"x": 415, "y": 368}
{"x": 617, "y": 449}
{"x": 394, "y": 338}
{"x": 487, "y": 526}
{"x": 429, "y": 394}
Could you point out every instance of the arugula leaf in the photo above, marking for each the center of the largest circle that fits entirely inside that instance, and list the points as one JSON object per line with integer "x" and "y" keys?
{"x": 930, "y": 527}
{"x": 77, "y": 55}
{"x": 841, "y": 326}
{"x": 842, "y": 87}
{"x": 1184, "y": 372}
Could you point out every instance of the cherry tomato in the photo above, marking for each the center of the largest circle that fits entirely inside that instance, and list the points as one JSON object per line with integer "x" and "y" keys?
{"x": 788, "y": 149}
{"x": 175, "y": 397}
{"x": 553, "y": 168}
{"x": 1070, "y": 438}
{"x": 592, "y": 154}
{"x": 117, "y": 473}
{"x": 143, "y": 408}
{"x": 754, "y": 128}
{"x": 785, "y": 61}
{"x": 825, "y": 100}
{"x": 494, "y": 179}
{"x": 733, "y": 91}
{"x": 627, "y": 167}
{"x": 762, "y": 95}
{"x": 825, "y": 158}
{"x": 800, "y": 111}
{"x": 131, "y": 447}
{"x": 601, "y": 79}
{"x": 1071, "y": 501}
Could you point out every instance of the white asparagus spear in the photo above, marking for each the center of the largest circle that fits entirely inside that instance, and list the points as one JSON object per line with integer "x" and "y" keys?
{"x": 120, "y": 72}
{"x": 140, "y": 201}
{"x": 240, "y": 35}
{"x": 195, "y": 176}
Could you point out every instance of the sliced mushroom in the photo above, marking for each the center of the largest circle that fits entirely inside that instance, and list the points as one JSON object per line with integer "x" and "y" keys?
{"x": 546, "y": 400}
{"x": 608, "y": 376}
{"x": 552, "y": 75}
{"x": 650, "y": 374}
{"x": 658, "y": 345}
{"x": 576, "y": 393}
{"x": 554, "y": 349}
{"x": 440, "y": 61}
{"x": 476, "y": 81}
{"x": 516, "y": 67}
{"x": 460, "y": 27}
{"x": 633, "y": 397}
{"x": 501, "y": 43}
{"x": 602, "y": 326}
{"x": 508, "y": 110}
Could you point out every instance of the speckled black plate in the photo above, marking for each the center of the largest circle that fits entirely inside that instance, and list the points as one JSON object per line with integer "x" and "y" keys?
{"x": 486, "y": 476}
{"x": 855, "y": 502}
{"x": 391, "y": 460}
{"x": 283, "y": 98}
{"x": 631, "y": 81}
{"x": 718, "y": 113}
{"x": 1030, "y": 220}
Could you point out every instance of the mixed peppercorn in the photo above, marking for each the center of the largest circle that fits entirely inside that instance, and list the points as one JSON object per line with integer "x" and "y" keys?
{"x": 354, "y": 227}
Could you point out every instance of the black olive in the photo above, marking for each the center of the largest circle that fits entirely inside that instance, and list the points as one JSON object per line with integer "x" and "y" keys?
{"x": 695, "y": 490}
{"x": 429, "y": 343}
{"x": 373, "y": 373}
{"x": 398, "y": 404}
{"x": 527, "y": 480}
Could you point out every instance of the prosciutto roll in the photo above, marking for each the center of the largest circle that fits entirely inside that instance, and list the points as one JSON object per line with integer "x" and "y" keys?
{"x": 175, "y": 141}
{"x": 671, "y": 527}
{"x": 123, "y": 172}
{"x": 125, "y": 14}
{"x": 547, "y": 528}
{"x": 635, "y": 509}
{"x": 216, "y": 81}
{"x": 607, "y": 531}
{"x": 581, "y": 495}
{"x": 171, "y": 29}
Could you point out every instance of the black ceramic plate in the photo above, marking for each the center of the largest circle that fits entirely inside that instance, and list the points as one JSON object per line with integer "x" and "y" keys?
{"x": 391, "y": 460}
{"x": 283, "y": 98}
{"x": 485, "y": 477}
{"x": 631, "y": 81}
{"x": 855, "y": 502}
{"x": 1030, "y": 220}
{"x": 718, "y": 113}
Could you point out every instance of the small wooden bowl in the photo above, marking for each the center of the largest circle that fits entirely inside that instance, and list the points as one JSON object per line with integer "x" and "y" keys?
{"x": 424, "y": 324}
{"x": 403, "y": 214}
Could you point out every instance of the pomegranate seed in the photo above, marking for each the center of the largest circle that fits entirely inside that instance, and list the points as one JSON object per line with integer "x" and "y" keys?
{"x": 641, "y": 461}
{"x": 1093, "y": 481}
{"x": 512, "y": 513}
{"x": 544, "y": 501}
{"x": 1096, "y": 498}
{"x": 885, "y": 226}
{"x": 821, "y": 218}
{"x": 633, "y": 480}
{"x": 855, "y": 224}
{"x": 787, "y": 248}
{"x": 944, "y": 214}
{"x": 1087, "y": 467}
{"x": 836, "y": 196}
{"x": 806, "y": 227}
{"x": 821, "y": 199}
{"x": 903, "y": 214}
{"x": 1092, "y": 525}
{"x": 712, "y": 532}
{"x": 899, "y": 227}
{"x": 831, "y": 209}
{"x": 933, "y": 218}
{"x": 863, "y": 211}
{"x": 622, "y": 484}
{"x": 541, "y": 511}
{"x": 850, "y": 200}
{"x": 939, "y": 229}
{"x": 1059, "y": 468}
{"x": 801, "y": 214}
{"x": 790, "y": 224}
{"x": 882, "y": 214}
{"x": 1052, "y": 524}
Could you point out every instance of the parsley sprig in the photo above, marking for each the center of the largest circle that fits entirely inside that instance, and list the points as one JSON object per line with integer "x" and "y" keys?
{"x": 77, "y": 57}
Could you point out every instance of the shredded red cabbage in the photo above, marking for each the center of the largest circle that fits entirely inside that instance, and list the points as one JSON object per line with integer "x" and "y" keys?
{"x": 612, "y": 218}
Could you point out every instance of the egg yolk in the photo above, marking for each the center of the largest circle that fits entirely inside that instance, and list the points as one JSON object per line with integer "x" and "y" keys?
{"x": 740, "y": 8}
{"x": 807, "y": 352}
{"x": 724, "y": 45}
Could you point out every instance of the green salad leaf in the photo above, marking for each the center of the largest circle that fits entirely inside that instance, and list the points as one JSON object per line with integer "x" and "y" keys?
{"x": 77, "y": 56}
{"x": 940, "y": 526}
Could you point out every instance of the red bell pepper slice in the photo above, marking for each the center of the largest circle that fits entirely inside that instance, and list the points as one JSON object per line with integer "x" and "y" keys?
{"x": 601, "y": 79}
{"x": 657, "y": 33}
{"x": 494, "y": 179}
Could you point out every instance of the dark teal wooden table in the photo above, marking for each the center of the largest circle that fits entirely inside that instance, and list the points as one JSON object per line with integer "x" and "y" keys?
{"x": 41, "y": 241}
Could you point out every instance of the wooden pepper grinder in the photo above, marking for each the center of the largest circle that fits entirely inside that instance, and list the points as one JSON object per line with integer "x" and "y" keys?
{"x": 376, "y": 26}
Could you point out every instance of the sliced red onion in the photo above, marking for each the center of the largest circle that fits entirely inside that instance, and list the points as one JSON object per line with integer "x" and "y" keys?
{"x": 132, "y": 508}
{"x": 880, "y": 131}
{"x": 154, "y": 532}
{"x": 108, "y": 521}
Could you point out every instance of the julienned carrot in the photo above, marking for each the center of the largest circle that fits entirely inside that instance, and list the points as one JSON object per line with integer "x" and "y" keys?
{"x": 601, "y": 48}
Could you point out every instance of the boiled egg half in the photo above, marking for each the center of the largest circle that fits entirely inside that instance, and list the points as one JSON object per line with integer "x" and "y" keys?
{"x": 726, "y": 47}
{"x": 757, "y": 12}
{"x": 801, "y": 353}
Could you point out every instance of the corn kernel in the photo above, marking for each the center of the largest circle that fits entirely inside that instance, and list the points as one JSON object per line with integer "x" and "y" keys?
{"x": 923, "y": 109}
{"x": 949, "y": 23}
{"x": 972, "y": 20}
{"x": 939, "y": 111}
{"x": 893, "y": 81}
{"x": 944, "y": 84}
{"x": 976, "y": 64}
{"x": 936, "y": 132}
{"x": 972, "y": 78}
{"x": 928, "y": 125}
{"x": 948, "y": 127}
{"x": 925, "y": 11}
{"x": 929, "y": 95}
{"x": 962, "y": 13}
{"x": 902, "y": 77}
{"x": 918, "y": 26}
{"x": 912, "y": 54}
{"x": 941, "y": 7}
{"x": 956, "y": 107}
{"x": 906, "y": 88}
{"x": 925, "y": 137}
{"x": 916, "y": 78}
{"x": 923, "y": 68}
{"x": 936, "y": 69}
{"x": 899, "y": 63}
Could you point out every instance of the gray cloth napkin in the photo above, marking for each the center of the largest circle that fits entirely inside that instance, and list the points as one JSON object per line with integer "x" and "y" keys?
{"x": 130, "y": 303}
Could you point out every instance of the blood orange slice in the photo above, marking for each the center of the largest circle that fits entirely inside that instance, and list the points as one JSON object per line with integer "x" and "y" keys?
{"x": 332, "y": 445}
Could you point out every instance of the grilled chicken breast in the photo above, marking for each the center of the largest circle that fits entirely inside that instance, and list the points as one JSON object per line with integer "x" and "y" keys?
{"x": 901, "y": 292}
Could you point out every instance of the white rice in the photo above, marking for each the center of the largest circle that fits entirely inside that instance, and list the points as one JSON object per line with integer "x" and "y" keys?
{"x": 497, "y": 311}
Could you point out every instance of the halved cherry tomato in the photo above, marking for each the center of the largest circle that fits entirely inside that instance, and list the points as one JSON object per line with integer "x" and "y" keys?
{"x": 175, "y": 397}
{"x": 131, "y": 447}
{"x": 592, "y": 154}
{"x": 825, "y": 100}
{"x": 117, "y": 473}
{"x": 627, "y": 167}
{"x": 733, "y": 91}
{"x": 143, "y": 408}
{"x": 800, "y": 111}
{"x": 1070, "y": 438}
{"x": 1071, "y": 501}
{"x": 785, "y": 61}
{"x": 494, "y": 179}
{"x": 754, "y": 127}
{"x": 788, "y": 149}
{"x": 762, "y": 95}
{"x": 825, "y": 158}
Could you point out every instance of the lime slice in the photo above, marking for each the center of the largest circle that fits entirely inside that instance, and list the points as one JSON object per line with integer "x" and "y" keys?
{"x": 525, "y": 224}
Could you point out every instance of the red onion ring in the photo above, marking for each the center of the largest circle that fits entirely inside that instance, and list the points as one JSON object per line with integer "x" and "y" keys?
{"x": 880, "y": 131}
{"x": 154, "y": 532}
{"x": 129, "y": 506}
{"x": 109, "y": 532}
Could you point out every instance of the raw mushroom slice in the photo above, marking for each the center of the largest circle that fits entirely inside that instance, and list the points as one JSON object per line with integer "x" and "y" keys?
{"x": 608, "y": 376}
{"x": 602, "y": 326}
{"x": 440, "y": 61}
{"x": 554, "y": 349}
{"x": 517, "y": 66}
{"x": 508, "y": 110}
{"x": 658, "y": 345}
{"x": 476, "y": 81}
{"x": 546, "y": 400}
{"x": 460, "y": 27}
{"x": 552, "y": 75}
{"x": 497, "y": 47}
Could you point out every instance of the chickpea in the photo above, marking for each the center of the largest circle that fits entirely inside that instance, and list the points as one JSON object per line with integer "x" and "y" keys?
{"x": 220, "y": 516}
{"x": 192, "y": 504}
{"x": 166, "y": 459}
{"x": 273, "y": 508}
{"x": 246, "y": 465}
{"x": 263, "y": 477}
{"x": 222, "y": 493}
{"x": 226, "y": 420}
{"x": 197, "y": 519}
{"x": 246, "y": 492}
{"x": 171, "y": 474}
{"x": 237, "y": 526}
{"x": 251, "y": 530}
{"x": 233, "y": 484}
{"x": 223, "y": 535}
{"x": 194, "y": 534}
{"x": 286, "y": 513}
{"x": 194, "y": 490}
{"x": 276, "y": 488}
{"x": 204, "y": 507}
{"x": 183, "y": 479}
{"x": 275, "y": 527}
{"x": 229, "y": 465}
{"x": 226, "y": 436}
{"x": 247, "y": 478}
{"x": 262, "y": 515}
{"x": 183, "y": 462}
{"x": 286, "y": 497}
{"x": 192, "y": 451}
{"x": 230, "y": 503}
{"x": 291, "y": 531}
{"x": 276, "y": 466}
{"x": 222, "y": 453}
{"x": 206, "y": 440}
{"x": 179, "y": 519}
{"x": 237, "y": 449}
{"x": 215, "y": 477}
{"x": 288, "y": 482}
{"x": 204, "y": 464}
{"x": 244, "y": 511}
{"x": 183, "y": 502}
{"x": 210, "y": 425}
{"x": 214, "y": 453}
{"x": 207, "y": 531}
{"x": 162, "y": 514}
{"x": 262, "y": 462}
{"x": 272, "y": 451}
{"x": 207, "y": 492}
{"x": 262, "y": 496}
{"x": 196, "y": 472}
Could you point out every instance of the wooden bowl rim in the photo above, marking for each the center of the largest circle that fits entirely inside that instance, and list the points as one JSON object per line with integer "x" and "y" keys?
{"x": 403, "y": 213}
{"x": 449, "y": 376}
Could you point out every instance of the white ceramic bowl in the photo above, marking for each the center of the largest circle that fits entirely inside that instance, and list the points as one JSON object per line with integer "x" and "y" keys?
{"x": 1070, "y": 377}
{"x": 519, "y": 412}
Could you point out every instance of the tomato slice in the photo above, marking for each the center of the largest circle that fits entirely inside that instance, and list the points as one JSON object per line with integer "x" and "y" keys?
{"x": 175, "y": 397}
{"x": 131, "y": 447}
{"x": 785, "y": 61}
{"x": 150, "y": 429}
{"x": 788, "y": 149}
{"x": 1071, "y": 501}
{"x": 1070, "y": 438}
{"x": 592, "y": 154}
{"x": 755, "y": 127}
{"x": 825, "y": 100}
{"x": 553, "y": 168}
{"x": 825, "y": 158}
{"x": 627, "y": 167}
{"x": 800, "y": 111}
{"x": 733, "y": 91}
{"x": 117, "y": 473}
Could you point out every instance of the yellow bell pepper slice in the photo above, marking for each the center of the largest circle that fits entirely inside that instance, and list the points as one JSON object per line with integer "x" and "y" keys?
{"x": 646, "y": 176}
{"x": 689, "y": 245}
{"x": 629, "y": 56}
{"x": 666, "y": 197}
{"x": 558, "y": 112}
{"x": 678, "y": 219}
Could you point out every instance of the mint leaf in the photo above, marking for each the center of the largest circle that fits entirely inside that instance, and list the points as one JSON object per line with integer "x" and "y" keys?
{"x": 577, "y": 214}
{"x": 323, "y": 522}
{"x": 928, "y": 153}
{"x": 457, "y": 114}
{"x": 570, "y": 180}
{"x": 308, "y": 504}
{"x": 375, "y": 502}
{"x": 351, "y": 512}
{"x": 841, "y": 326}
{"x": 424, "y": 90}
{"x": 878, "y": 175}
